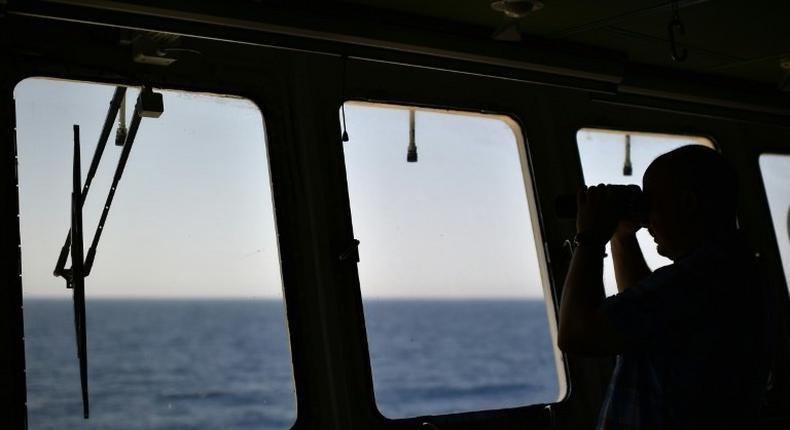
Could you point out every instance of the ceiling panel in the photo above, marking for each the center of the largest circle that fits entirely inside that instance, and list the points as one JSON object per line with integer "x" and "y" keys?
{"x": 729, "y": 27}
{"x": 728, "y": 37}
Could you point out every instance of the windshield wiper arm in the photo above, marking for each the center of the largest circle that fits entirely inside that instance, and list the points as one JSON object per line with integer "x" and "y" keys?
{"x": 148, "y": 104}
{"x": 127, "y": 148}
{"x": 115, "y": 103}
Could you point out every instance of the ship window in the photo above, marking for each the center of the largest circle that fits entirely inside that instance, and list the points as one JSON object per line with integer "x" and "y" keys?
{"x": 776, "y": 177}
{"x": 453, "y": 282}
{"x": 185, "y": 315}
{"x": 621, "y": 157}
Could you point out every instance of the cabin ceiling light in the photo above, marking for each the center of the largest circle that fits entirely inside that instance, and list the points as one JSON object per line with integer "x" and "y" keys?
{"x": 159, "y": 49}
{"x": 516, "y": 8}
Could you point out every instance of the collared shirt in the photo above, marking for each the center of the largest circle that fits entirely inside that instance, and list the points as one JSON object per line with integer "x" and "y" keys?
{"x": 696, "y": 354}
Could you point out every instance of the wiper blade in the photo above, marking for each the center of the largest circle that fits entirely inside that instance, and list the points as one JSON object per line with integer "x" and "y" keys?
{"x": 77, "y": 272}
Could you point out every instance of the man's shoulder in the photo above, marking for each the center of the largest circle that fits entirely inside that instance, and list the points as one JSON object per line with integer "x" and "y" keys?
{"x": 716, "y": 263}
{"x": 721, "y": 254}
{"x": 667, "y": 280}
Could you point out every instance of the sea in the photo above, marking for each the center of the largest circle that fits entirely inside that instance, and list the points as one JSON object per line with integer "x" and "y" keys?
{"x": 209, "y": 364}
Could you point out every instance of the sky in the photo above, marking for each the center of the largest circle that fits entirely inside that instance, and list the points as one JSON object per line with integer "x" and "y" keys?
{"x": 454, "y": 224}
{"x": 193, "y": 214}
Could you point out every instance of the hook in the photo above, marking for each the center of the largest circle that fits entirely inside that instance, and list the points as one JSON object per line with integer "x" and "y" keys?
{"x": 677, "y": 55}
{"x": 675, "y": 23}
{"x": 351, "y": 252}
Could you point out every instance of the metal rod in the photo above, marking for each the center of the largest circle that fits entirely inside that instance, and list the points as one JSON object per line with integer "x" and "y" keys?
{"x": 122, "y": 118}
{"x": 77, "y": 274}
{"x": 411, "y": 153}
{"x": 120, "y": 133}
{"x": 109, "y": 120}
{"x": 627, "y": 168}
{"x": 112, "y": 112}
{"x": 127, "y": 147}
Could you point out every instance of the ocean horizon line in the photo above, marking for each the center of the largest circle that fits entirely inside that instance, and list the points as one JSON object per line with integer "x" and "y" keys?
{"x": 275, "y": 298}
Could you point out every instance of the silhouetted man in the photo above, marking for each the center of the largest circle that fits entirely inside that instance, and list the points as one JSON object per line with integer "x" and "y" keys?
{"x": 690, "y": 337}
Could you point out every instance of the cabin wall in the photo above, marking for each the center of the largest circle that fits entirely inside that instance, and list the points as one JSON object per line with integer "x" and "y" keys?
{"x": 299, "y": 94}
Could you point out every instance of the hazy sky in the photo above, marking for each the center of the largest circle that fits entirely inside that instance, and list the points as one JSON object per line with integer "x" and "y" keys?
{"x": 193, "y": 213}
{"x": 454, "y": 224}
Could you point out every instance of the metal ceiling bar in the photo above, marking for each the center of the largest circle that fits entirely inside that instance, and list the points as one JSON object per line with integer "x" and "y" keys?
{"x": 697, "y": 110}
{"x": 701, "y": 99}
{"x": 333, "y": 31}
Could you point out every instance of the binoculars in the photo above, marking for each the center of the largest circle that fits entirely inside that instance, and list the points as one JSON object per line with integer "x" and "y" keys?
{"x": 629, "y": 201}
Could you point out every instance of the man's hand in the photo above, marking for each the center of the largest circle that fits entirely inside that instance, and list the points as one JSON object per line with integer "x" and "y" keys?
{"x": 597, "y": 215}
{"x": 584, "y": 327}
{"x": 626, "y": 228}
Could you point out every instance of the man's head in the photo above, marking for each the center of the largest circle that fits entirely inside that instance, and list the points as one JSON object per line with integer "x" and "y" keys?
{"x": 691, "y": 194}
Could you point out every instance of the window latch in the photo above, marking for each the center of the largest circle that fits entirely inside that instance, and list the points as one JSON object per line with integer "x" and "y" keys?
{"x": 351, "y": 252}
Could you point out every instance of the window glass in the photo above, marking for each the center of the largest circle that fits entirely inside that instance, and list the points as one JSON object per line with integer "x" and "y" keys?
{"x": 185, "y": 315}
{"x": 776, "y": 177}
{"x": 605, "y": 155}
{"x": 451, "y": 276}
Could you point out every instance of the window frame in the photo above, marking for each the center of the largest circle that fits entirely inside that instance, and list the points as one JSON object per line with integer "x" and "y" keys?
{"x": 517, "y": 128}
{"x": 268, "y": 99}
{"x": 407, "y": 86}
{"x": 265, "y": 143}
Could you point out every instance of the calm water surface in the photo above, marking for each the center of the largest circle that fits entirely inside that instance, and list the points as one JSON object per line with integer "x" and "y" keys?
{"x": 201, "y": 364}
